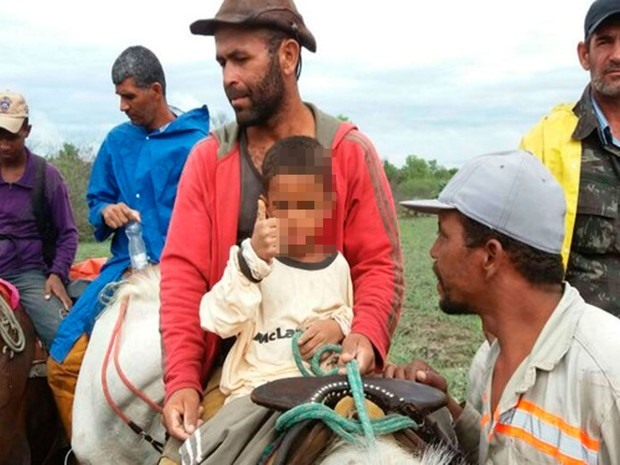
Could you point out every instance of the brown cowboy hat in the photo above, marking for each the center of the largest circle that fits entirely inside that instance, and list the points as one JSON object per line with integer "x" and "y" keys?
{"x": 274, "y": 14}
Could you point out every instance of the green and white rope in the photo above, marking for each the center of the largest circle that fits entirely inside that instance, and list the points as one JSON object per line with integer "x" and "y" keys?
{"x": 315, "y": 361}
{"x": 350, "y": 430}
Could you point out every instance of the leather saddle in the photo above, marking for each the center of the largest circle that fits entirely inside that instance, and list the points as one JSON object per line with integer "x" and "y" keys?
{"x": 306, "y": 441}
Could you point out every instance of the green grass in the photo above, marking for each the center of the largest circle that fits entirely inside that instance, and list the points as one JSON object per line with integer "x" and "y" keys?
{"x": 92, "y": 250}
{"x": 447, "y": 343}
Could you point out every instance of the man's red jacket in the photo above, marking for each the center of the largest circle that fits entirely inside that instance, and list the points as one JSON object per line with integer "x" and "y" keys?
{"x": 204, "y": 227}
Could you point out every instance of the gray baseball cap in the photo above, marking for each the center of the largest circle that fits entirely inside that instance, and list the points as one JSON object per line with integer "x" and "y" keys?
{"x": 510, "y": 192}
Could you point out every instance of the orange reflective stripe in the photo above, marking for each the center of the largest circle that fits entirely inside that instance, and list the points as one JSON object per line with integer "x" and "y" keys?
{"x": 559, "y": 423}
{"x": 484, "y": 421}
{"x": 538, "y": 444}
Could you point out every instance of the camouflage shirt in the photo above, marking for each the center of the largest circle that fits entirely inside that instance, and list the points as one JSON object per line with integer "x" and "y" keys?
{"x": 594, "y": 262}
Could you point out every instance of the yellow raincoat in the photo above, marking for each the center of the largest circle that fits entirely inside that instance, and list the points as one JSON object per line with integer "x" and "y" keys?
{"x": 552, "y": 142}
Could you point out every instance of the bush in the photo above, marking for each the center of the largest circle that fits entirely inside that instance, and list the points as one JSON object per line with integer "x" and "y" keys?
{"x": 76, "y": 168}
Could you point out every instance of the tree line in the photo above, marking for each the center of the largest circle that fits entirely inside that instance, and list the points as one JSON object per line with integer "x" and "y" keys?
{"x": 75, "y": 168}
{"x": 417, "y": 178}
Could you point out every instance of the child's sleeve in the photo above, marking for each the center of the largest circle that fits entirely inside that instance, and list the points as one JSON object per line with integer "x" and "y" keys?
{"x": 235, "y": 299}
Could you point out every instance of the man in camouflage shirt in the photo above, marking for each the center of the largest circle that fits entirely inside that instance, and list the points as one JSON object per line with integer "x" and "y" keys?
{"x": 580, "y": 144}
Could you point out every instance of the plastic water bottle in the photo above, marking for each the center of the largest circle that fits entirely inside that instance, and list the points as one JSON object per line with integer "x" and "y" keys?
{"x": 137, "y": 249}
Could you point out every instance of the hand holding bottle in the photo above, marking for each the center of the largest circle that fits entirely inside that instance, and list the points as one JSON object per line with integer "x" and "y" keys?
{"x": 119, "y": 214}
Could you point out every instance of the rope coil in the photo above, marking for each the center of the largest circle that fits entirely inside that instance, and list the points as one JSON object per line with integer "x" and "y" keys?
{"x": 11, "y": 331}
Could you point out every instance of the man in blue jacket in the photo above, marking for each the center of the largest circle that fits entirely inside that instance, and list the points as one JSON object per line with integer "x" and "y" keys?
{"x": 134, "y": 178}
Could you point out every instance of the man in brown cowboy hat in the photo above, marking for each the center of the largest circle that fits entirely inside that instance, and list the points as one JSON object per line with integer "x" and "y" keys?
{"x": 258, "y": 46}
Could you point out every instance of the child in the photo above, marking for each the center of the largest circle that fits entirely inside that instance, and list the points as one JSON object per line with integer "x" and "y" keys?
{"x": 287, "y": 276}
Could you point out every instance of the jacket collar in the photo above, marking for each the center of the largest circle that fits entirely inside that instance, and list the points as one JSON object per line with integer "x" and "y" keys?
{"x": 586, "y": 114}
{"x": 326, "y": 130}
{"x": 27, "y": 179}
{"x": 555, "y": 339}
{"x": 550, "y": 347}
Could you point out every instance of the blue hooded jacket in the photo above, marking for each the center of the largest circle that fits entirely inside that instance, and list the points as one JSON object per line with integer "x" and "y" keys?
{"x": 142, "y": 170}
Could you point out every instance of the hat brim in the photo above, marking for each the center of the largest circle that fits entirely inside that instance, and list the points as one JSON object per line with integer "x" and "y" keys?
{"x": 597, "y": 24}
{"x": 427, "y": 206}
{"x": 207, "y": 27}
{"x": 11, "y": 124}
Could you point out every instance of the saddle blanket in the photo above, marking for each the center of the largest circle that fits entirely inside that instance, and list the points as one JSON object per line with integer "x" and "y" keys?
{"x": 10, "y": 293}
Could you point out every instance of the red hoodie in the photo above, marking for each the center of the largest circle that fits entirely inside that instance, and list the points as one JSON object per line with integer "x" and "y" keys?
{"x": 204, "y": 227}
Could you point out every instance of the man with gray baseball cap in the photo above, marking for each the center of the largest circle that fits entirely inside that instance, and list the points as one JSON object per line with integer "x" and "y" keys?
{"x": 550, "y": 385}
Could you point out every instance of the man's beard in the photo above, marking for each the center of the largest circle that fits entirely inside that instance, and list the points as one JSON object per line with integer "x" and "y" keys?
{"x": 606, "y": 88}
{"x": 266, "y": 98}
{"x": 449, "y": 307}
{"x": 454, "y": 308}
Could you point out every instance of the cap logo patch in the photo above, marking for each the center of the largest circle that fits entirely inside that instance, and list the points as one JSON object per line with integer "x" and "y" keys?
{"x": 5, "y": 105}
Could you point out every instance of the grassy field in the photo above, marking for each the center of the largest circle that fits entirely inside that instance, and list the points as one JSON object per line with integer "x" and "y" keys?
{"x": 447, "y": 342}
{"x": 92, "y": 250}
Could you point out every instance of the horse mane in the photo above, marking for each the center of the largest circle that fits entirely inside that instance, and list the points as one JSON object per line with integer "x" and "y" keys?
{"x": 143, "y": 283}
{"x": 438, "y": 455}
{"x": 387, "y": 452}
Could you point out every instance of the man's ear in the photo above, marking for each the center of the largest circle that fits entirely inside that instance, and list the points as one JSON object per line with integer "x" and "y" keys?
{"x": 289, "y": 55}
{"x": 27, "y": 128}
{"x": 584, "y": 55}
{"x": 157, "y": 88}
{"x": 494, "y": 255}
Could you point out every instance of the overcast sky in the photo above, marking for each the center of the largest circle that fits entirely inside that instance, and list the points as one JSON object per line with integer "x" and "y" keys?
{"x": 442, "y": 80}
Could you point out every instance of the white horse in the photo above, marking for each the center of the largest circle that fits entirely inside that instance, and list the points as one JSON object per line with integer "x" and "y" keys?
{"x": 126, "y": 343}
{"x": 120, "y": 346}
{"x": 387, "y": 452}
